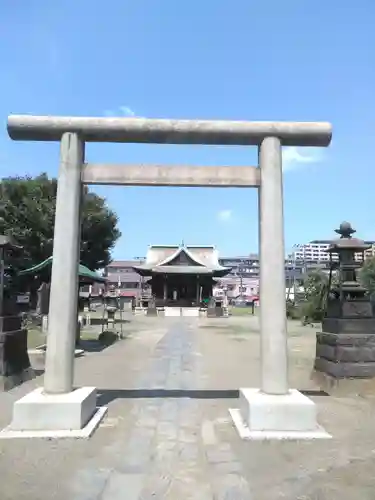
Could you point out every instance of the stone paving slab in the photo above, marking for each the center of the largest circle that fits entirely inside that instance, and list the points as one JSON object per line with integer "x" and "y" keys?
{"x": 158, "y": 443}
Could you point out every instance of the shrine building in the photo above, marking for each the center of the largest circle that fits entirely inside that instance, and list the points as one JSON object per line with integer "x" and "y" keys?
{"x": 181, "y": 276}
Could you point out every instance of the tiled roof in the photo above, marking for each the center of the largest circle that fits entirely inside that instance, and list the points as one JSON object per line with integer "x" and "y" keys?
{"x": 124, "y": 263}
{"x": 157, "y": 255}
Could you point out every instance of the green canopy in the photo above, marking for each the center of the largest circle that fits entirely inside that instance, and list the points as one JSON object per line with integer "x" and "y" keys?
{"x": 84, "y": 272}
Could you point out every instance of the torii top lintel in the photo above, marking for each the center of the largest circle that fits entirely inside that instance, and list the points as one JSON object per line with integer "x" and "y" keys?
{"x": 163, "y": 131}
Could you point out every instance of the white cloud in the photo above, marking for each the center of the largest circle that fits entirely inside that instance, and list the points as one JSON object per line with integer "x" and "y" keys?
{"x": 120, "y": 111}
{"x": 126, "y": 111}
{"x": 294, "y": 157}
{"x": 224, "y": 215}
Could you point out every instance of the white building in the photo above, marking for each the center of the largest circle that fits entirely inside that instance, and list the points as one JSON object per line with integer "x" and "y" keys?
{"x": 311, "y": 252}
{"x": 236, "y": 287}
{"x": 316, "y": 251}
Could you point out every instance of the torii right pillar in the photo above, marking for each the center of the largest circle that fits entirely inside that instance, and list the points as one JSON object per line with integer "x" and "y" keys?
{"x": 274, "y": 411}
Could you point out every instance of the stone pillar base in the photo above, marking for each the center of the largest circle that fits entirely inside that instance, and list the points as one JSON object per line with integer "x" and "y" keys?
{"x": 55, "y": 415}
{"x": 267, "y": 416}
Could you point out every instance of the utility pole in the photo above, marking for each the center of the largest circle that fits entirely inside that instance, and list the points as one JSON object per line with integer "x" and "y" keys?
{"x": 241, "y": 280}
{"x": 142, "y": 279}
{"x": 2, "y": 272}
{"x": 294, "y": 267}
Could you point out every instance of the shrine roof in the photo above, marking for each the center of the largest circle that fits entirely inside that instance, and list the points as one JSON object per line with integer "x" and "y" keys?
{"x": 182, "y": 260}
{"x": 179, "y": 269}
{"x": 84, "y": 273}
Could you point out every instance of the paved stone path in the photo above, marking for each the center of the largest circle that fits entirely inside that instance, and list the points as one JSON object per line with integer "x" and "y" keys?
{"x": 171, "y": 451}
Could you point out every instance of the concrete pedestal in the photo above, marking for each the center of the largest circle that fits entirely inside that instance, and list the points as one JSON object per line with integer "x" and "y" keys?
{"x": 39, "y": 414}
{"x": 172, "y": 312}
{"x": 267, "y": 416}
{"x": 190, "y": 311}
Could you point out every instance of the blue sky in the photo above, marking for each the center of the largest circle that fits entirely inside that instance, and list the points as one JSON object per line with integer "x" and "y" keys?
{"x": 243, "y": 59}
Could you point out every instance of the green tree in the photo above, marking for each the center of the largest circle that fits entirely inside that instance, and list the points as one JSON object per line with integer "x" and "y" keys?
{"x": 367, "y": 276}
{"x": 27, "y": 212}
{"x": 315, "y": 295}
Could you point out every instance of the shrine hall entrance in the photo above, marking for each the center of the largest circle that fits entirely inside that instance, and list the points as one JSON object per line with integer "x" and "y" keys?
{"x": 182, "y": 290}
{"x": 181, "y": 276}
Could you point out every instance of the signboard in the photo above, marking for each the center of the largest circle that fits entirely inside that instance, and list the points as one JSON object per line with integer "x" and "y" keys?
{"x": 23, "y": 299}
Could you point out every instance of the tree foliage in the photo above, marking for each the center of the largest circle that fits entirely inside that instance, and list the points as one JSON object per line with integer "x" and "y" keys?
{"x": 367, "y": 276}
{"x": 315, "y": 295}
{"x": 27, "y": 212}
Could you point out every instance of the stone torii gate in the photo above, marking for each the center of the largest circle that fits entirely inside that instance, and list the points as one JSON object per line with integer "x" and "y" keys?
{"x": 274, "y": 410}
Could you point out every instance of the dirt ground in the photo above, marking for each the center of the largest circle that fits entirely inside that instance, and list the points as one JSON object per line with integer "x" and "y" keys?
{"x": 168, "y": 433}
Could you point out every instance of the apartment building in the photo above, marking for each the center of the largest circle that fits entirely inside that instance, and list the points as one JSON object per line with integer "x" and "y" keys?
{"x": 316, "y": 251}
{"x": 121, "y": 275}
{"x": 236, "y": 286}
{"x": 247, "y": 266}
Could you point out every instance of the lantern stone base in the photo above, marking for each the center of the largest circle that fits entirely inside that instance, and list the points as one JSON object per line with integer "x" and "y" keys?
{"x": 345, "y": 355}
{"x": 8, "y": 382}
{"x": 15, "y": 365}
{"x": 215, "y": 312}
{"x": 152, "y": 311}
{"x": 349, "y": 325}
{"x": 266, "y": 416}
{"x": 344, "y": 387}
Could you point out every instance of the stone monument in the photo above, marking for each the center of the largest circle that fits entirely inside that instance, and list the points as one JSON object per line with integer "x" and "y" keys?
{"x": 42, "y": 307}
{"x": 346, "y": 347}
{"x": 151, "y": 308}
{"x": 14, "y": 359}
{"x": 43, "y": 299}
{"x": 214, "y": 309}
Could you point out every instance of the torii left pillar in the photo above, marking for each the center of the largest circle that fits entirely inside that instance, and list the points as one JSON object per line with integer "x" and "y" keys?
{"x": 59, "y": 408}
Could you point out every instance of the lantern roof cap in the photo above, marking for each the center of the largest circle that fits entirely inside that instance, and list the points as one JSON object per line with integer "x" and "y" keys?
{"x": 346, "y": 241}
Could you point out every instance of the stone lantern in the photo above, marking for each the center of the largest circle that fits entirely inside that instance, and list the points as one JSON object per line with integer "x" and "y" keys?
{"x": 346, "y": 346}
{"x": 14, "y": 359}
